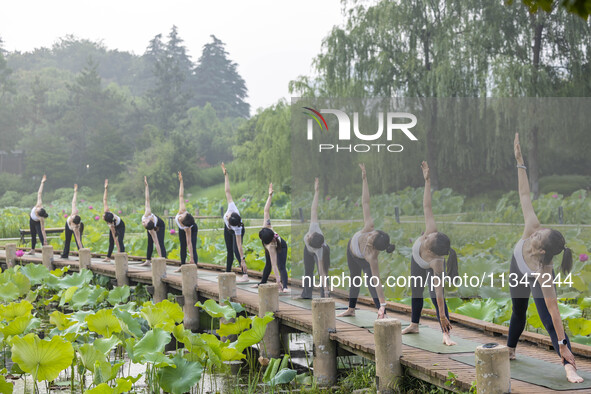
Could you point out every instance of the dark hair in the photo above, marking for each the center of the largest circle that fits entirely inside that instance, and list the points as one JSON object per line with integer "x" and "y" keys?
{"x": 76, "y": 219}
{"x": 452, "y": 264}
{"x": 42, "y": 213}
{"x": 188, "y": 220}
{"x": 235, "y": 219}
{"x": 267, "y": 236}
{"x": 150, "y": 225}
{"x": 441, "y": 246}
{"x": 382, "y": 242}
{"x": 554, "y": 244}
{"x": 109, "y": 218}
{"x": 316, "y": 240}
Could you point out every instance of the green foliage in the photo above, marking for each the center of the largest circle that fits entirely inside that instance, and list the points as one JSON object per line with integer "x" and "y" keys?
{"x": 181, "y": 376}
{"x": 44, "y": 359}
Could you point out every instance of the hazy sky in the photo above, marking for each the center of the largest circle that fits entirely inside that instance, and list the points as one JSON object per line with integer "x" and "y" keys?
{"x": 273, "y": 41}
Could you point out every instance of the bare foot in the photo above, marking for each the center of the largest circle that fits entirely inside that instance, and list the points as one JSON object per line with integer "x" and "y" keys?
{"x": 511, "y": 353}
{"x": 145, "y": 263}
{"x": 243, "y": 278}
{"x": 447, "y": 340}
{"x": 571, "y": 374}
{"x": 348, "y": 312}
{"x": 255, "y": 286}
{"x": 412, "y": 329}
{"x": 106, "y": 260}
{"x": 177, "y": 270}
{"x": 31, "y": 252}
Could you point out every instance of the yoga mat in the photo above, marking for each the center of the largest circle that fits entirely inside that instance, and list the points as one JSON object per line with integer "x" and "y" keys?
{"x": 538, "y": 372}
{"x": 430, "y": 340}
{"x": 365, "y": 318}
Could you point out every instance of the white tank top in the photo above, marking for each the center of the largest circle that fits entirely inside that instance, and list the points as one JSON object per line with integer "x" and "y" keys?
{"x": 355, "y": 246}
{"x": 518, "y": 253}
{"x": 416, "y": 248}
{"x": 176, "y": 219}
{"x": 34, "y": 214}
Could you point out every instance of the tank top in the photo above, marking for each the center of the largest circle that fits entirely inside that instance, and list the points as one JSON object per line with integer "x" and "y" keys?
{"x": 518, "y": 254}
{"x": 416, "y": 255}
{"x": 34, "y": 214}
{"x": 355, "y": 246}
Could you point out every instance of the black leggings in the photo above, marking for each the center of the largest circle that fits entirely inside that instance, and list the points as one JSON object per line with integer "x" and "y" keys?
{"x": 69, "y": 233}
{"x": 160, "y": 235}
{"x": 310, "y": 262}
{"x": 281, "y": 265}
{"x": 356, "y": 265}
{"x": 520, "y": 299}
{"x": 120, "y": 233}
{"x": 183, "y": 241}
{"x": 35, "y": 227}
{"x": 232, "y": 247}
{"x": 417, "y": 291}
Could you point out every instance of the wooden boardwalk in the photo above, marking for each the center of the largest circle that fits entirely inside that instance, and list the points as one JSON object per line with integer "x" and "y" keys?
{"x": 425, "y": 365}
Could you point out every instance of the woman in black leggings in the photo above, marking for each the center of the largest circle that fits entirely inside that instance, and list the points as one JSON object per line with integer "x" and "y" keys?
{"x": 532, "y": 271}
{"x": 275, "y": 250}
{"x": 116, "y": 227}
{"x": 233, "y": 232}
{"x": 427, "y": 261}
{"x": 74, "y": 226}
{"x": 37, "y": 220}
{"x": 362, "y": 255}
{"x": 187, "y": 229}
{"x": 154, "y": 229}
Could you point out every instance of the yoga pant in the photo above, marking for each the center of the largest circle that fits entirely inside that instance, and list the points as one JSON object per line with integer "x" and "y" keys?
{"x": 232, "y": 247}
{"x": 520, "y": 299}
{"x": 120, "y": 233}
{"x": 281, "y": 265}
{"x": 310, "y": 261}
{"x": 159, "y": 236}
{"x": 35, "y": 227}
{"x": 69, "y": 234}
{"x": 356, "y": 265}
{"x": 416, "y": 271}
{"x": 183, "y": 241}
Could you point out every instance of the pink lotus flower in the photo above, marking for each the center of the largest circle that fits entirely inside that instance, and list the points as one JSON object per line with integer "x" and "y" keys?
{"x": 327, "y": 198}
{"x": 20, "y": 253}
{"x": 555, "y": 196}
{"x": 66, "y": 215}
{"x": 90, "y": 207}
{"x": 82, "y": 200}
{"x": 186, "y": 200}
{"x": 119, "y": 212}
{"x": 97, "y": 217}
{"x": 244, "y": 199}
{"x": 172, "y": 232}
{"x": 583, "y": 257}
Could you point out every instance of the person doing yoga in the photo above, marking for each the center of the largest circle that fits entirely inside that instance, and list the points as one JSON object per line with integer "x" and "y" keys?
{"x": 74, "y": 226}
{"x": 362, "y": 255}
{"x": 37, "y": 220}
{"x": 427, "y": 261}
{"x": 187, "y": 229}
{"x": 116, "y": 227}
{"x": 233, "y": 232}
{"x": 154, "y": 229}
{"x": 275, "y": 249}
{"x": 532, "y": 272}
{"x": 316, "y": 252}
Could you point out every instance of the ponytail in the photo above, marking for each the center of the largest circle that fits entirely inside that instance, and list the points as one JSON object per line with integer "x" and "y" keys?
{"x": 452, "y": 264}
{"x": 391, "y": 248}
{"x": 567, "y": 261}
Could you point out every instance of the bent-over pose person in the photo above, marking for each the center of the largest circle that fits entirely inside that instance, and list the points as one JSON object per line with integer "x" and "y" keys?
{"x": 427, "y": 261}
{"x": 187, "y": 229}
{"x": 275, "y": 249}
{"x": 362, "y": 255}
{"x": 233, "y": 232}
{"x": 74, "y": 226}
{"x": 116, "y": 227}
{"x": 154, "y": 229}
{"x": 316, "y": 251}
{"x": 37, "y": 220}
{"x": 533, "y": 256}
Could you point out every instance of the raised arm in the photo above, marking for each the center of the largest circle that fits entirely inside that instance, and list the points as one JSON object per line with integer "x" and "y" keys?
{"x": 182, "y": 207}
{"x": 430, "y": 226}
{"x": 227, "y": 184}
{"x": 74, "y": 209}
{"x": 314, "y": 215}
{"x": 40, "y": 192}
{"x": 267, "y": 213}
{"x": 148, "y": 211}
{"x": 105, "y": 207}
{"x": 367, "y": 220}
{"x": 529, "y": 215}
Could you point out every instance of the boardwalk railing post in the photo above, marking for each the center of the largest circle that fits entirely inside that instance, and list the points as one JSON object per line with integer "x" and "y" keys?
{"x": 269, "y": 302}
{"x": 47, "y": 256}
{"x": 121, "y": 267}
{"x": 227, "y": 285}
{"x": 10, "y": 255}
{"x": 84, "y": 258}
{"x": 397, "y": 214}
{"x": 493, "y": 372}
{"x": 301, "y": 215}
{"x": 159, "y": 272}
{"x": 388, "y": 343}
{"x": 189, "y": 280}
{"x": 325, "y": 350}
